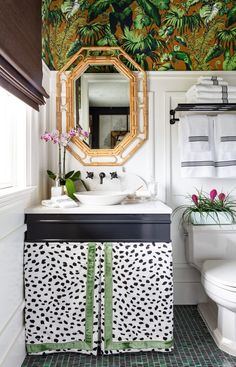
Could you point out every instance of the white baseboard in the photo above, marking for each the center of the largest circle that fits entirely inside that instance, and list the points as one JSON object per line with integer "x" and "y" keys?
{"x": 12, "y": 340}
{"x": 187, "y": 285}
{"x": 188, "y": 293}
{"x": 16, "y": 354}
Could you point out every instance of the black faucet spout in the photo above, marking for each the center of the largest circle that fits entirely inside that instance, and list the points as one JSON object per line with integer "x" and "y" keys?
{"x": 102, "y": 175}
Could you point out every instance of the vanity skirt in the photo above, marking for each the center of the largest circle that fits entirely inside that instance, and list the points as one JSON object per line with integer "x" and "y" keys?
{"x": 90, "y": 297}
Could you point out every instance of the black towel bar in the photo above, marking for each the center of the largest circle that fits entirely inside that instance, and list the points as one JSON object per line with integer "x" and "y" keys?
{"x": 201, "y": 107}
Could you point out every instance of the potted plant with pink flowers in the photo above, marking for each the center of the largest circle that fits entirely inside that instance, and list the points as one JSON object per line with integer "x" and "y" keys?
{"x": 62, "y": 139}
{"x": 212, "y": 208}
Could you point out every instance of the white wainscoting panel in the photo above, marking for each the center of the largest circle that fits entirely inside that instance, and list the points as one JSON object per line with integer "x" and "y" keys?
{"x": 11, "y": 265}
{"x": 12, "y": 229}
{"x": 12, "y": 349}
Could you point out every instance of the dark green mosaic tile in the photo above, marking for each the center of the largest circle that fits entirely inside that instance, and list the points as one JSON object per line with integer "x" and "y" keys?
{"x": 194, "y": 347}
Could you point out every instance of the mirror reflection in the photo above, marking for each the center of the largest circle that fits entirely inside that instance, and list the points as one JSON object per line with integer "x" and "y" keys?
{"x": 102, "y": 107}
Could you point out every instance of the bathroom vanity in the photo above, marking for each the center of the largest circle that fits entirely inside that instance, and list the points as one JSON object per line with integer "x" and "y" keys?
{"x": 99, "y": 279}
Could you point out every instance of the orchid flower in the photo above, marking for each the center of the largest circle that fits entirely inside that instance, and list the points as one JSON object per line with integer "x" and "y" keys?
{"x": 84, "y": 133}
{"x": 73, "y": 133}
{"x": 55, "y": 135}
{"x": 46, "y": 136}
{"x": 63, "y": 139}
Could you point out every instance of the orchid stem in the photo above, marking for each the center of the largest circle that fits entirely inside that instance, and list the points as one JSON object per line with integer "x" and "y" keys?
{"x": 64, "y": 162}
{"x": 59, "y": 163}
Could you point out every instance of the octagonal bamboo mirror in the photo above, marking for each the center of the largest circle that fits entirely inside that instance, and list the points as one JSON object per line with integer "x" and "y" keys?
{"x": 103, "y": 91}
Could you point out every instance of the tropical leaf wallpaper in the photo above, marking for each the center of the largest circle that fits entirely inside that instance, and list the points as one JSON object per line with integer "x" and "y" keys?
{"x": 158, "y": 34}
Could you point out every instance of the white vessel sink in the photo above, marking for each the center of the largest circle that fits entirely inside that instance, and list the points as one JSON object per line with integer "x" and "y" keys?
{"x": 101, "y": 198}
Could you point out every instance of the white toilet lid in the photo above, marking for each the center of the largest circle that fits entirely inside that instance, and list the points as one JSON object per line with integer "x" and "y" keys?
{"x": 222, "y": 272}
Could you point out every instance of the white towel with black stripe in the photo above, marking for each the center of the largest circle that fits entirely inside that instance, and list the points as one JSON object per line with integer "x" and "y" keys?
{"x": 197, "y": 133}
{"x": 195, "y": 99}
{"x": 216, "y": 93}
{"x": 211, "y": 80}
{"x": 212, "y": 88}
{"x": 196, "y": 146}
{"x": 225, "y": 145}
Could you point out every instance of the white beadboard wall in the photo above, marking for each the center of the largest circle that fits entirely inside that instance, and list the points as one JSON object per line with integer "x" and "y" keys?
{"x": 12, "y": 229}
{"x": 12, "y": 345}
{"x": 159, "y": 157}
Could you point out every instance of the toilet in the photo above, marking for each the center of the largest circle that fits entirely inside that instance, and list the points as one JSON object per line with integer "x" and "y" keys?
{"x": 212, "y": 250}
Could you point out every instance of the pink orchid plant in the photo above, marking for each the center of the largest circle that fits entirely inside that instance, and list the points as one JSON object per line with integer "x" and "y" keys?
{"x": 62, "y": 139}
{"x": 209, "y": 203}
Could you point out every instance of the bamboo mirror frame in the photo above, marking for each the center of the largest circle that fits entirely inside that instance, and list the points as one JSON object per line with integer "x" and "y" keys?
{"x": 65, "y": 101}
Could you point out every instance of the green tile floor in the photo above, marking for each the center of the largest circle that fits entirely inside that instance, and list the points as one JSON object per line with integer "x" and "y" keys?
{"x": 194, "y": 347}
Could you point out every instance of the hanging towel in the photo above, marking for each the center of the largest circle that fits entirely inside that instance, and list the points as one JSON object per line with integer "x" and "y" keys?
{"x": 197, "y": 130}
{"x": 225, "y": 132}
{"x": 225, "y": 128}
{"x": 196, "y": 146}
{"x": 225, "y": 145}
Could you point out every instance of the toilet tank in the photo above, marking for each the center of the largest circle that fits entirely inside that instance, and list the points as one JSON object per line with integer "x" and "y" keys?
{"x": 209, "y": 242}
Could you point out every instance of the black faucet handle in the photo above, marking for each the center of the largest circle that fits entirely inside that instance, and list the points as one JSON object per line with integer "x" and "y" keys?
{"x": 113, "y": 175}
{"x": 90, "y": 175}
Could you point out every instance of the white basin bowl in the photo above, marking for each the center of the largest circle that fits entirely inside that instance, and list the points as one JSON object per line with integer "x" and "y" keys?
{"x": 101, "y": 198}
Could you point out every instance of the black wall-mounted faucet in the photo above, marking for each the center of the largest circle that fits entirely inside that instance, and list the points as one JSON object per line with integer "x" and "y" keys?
{"x": 102, "y": 175}
{"x": 113, "y": 175}
{"x": 90, "y": 175}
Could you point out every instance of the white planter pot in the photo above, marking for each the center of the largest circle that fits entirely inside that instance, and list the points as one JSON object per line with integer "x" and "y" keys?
{"x": 210, "y": 218}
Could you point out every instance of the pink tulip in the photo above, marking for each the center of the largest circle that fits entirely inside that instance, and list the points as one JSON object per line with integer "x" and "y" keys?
{"x": 213, "y": 194}
{"x": 221, "y": 196}
{"x": 195, "y": 199}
